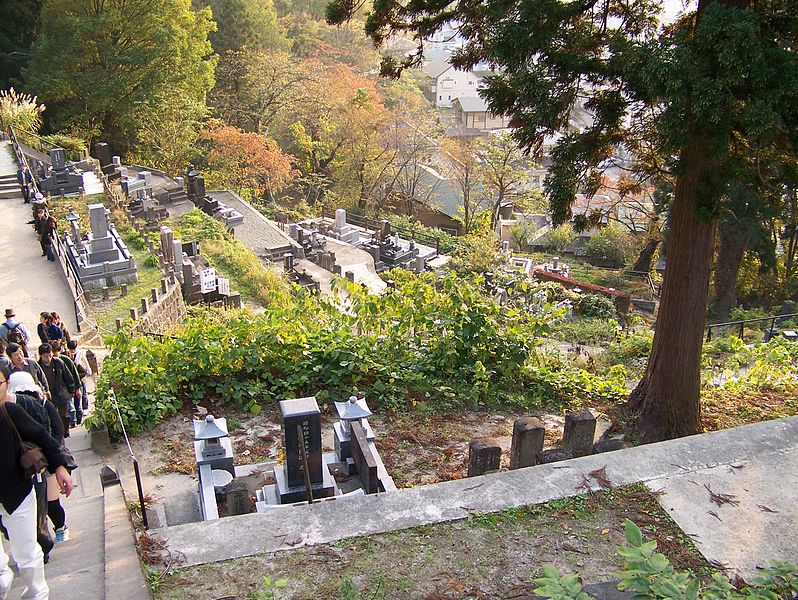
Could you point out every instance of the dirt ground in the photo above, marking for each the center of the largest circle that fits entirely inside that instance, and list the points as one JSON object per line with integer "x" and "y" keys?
{"x": 416, "y": 450}
{"x": 485, "y": 556}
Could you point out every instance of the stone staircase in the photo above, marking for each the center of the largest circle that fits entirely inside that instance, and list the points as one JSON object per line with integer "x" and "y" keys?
{"x": 91, "y": 184}
{"x": 9, "y": 187}
{"x": 99, "y": 560}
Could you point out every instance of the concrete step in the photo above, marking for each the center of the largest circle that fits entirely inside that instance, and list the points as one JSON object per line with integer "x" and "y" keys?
{"x": 8, "y": 194}
{"x": 91, "y": 184}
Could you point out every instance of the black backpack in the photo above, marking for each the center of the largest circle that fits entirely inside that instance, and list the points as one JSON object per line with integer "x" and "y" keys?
{"x": 15, "y": 335}
{"x": 35, "y": 408}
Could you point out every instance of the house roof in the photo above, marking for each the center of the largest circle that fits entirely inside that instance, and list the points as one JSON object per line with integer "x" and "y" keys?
{"x": 472, "y": 104}
{"x": 437, "y": 66}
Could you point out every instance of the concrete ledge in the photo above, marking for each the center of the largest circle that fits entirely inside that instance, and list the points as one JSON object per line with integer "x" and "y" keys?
{"x": 124, "y": 579}
{"x": 246, "y": 535}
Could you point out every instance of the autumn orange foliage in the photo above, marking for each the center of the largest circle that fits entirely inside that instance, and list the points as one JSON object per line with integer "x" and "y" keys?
{"x": 247, "y": 162}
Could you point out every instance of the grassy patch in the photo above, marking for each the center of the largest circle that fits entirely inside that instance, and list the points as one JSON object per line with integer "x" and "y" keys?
{"x": 483, "y": 556}
{"x": 245, "y": 270}
{"x": 105, "y": 312}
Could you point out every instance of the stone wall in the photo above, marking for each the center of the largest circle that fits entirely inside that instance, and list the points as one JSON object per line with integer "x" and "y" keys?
{"x": 163, "y": 311}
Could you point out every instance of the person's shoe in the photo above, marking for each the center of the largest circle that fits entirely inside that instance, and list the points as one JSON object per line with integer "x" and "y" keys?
{"x": 62, "y": 534}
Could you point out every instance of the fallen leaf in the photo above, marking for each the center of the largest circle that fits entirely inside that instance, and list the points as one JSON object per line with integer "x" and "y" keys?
{"x": 766, "y": 508}
{"x": 605, "y": 531}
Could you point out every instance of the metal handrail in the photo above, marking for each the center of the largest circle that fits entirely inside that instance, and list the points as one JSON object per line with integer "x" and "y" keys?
{"x": 742, "y": 323}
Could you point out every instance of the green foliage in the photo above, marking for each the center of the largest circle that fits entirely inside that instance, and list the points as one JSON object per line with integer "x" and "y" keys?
{"x": 476, "y": 253}
{"x": 649, "y": 574}
{"x": 612, "y": 244}
{"x": 596, "y": 306}
{"x": 630, "y": 350}
{"x": 443, "y": 343}
{"x": 268, "y": 590}
{"x": 771, "y": 366}
{"x": 559, "y": 587}
{"x": 73, "y": 145}
{"x": 133, "y": 73}
{"x": 250, "y": 23}
{"x": 449, "y": 242}
{"x": 586, "y": 330}
{"x": 559, "y": 239}
{"x": 348, "y": 591}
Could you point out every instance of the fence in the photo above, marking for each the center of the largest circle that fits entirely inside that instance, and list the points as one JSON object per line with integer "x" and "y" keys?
{"x": 774, "y": 320}
{"x": 79, "y": 299}
{"x": 359, "y": 221}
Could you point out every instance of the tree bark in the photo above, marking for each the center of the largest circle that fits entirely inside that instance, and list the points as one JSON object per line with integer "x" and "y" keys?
{"x": 730, "y": 255}
{"x": 667, "y": 398}
{"x": 643, "y": 262}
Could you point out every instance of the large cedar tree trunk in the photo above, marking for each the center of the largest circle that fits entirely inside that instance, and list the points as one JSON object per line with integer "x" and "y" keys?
{"x": 667, "y": 397}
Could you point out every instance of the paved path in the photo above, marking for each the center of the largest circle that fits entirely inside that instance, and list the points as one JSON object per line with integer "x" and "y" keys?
{"x": 31, "y": 284}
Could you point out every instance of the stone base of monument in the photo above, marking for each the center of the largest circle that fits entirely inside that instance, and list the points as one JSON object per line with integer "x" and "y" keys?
{"x": 282, "y": 493}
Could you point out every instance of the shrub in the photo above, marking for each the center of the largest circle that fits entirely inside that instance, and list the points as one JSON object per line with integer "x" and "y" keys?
{"x": 477, "y": 253}
{"x": 559, "y": 239}
{"x": 611, "y": 245}
{"x": 444, "y": 343}
{"x": 595, "y": 305}
{"x": 586, "y": 330}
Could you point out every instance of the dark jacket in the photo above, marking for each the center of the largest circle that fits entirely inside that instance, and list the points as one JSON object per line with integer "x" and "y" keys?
{"x": 73, "y": 371}
{"x": 43, "y": 412}
{"x": 59, "y": 380}
{"x": 16, "y": 483}
{"x": 32, "y": 367}
{"x": 52, "y": 335}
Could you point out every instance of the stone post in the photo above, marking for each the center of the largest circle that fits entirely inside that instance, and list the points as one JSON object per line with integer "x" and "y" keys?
{"x": 144, "y": 306}
{"x": 106, "y": 293}
{"x": 133, "y": 314}
{"x": 154, "y": 295}
{"x": 484, "y": 455}
{"x": 164, "y": 286}
{"x": 123, "y": 289}
{"x": 528, "y": 434}
{"x": 580, "y": 430}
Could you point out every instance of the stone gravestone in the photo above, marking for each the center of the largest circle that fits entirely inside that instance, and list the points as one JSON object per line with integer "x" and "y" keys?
{"x": 290, "y": 486}
{"x": 305, "y": 413}
{"x": 237, "y": 498}
{"x": 579, "y": 433}
{"x": 484, "y": 455}
{"x": 528, "y": 434}
{"x": 365, "y": 462}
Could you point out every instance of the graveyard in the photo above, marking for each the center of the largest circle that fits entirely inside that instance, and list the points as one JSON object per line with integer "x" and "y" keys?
{"x": 351, "y": 364}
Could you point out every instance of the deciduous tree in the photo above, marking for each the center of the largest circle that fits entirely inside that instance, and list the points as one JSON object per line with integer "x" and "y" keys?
{"x": 107, "y": 69}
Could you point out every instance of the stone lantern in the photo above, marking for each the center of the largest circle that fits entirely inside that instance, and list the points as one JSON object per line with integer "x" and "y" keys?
{"x": 352, "y": 410}
{"x": 212, "y": 444}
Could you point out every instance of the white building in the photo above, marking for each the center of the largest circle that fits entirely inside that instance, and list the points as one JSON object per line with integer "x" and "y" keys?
{"x": 445, "y": 83}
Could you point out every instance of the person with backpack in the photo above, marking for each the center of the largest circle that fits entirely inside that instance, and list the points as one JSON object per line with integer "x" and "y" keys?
{"x": 13, "y": 332}
{"x": 76, "y": 392}
{"x": 17, "y": 499}
{"x": 20, "y": 363}
{"x": 31, "y": 398}
{"x": 60, "y": 382}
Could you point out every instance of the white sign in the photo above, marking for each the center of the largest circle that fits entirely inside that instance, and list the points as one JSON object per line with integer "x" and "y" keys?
{"x": 224, "y": 286}
{"x": 207, "y": 280}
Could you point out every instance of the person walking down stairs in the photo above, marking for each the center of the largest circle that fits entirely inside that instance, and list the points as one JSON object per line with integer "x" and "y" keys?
{"x": 18, "y": 500}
